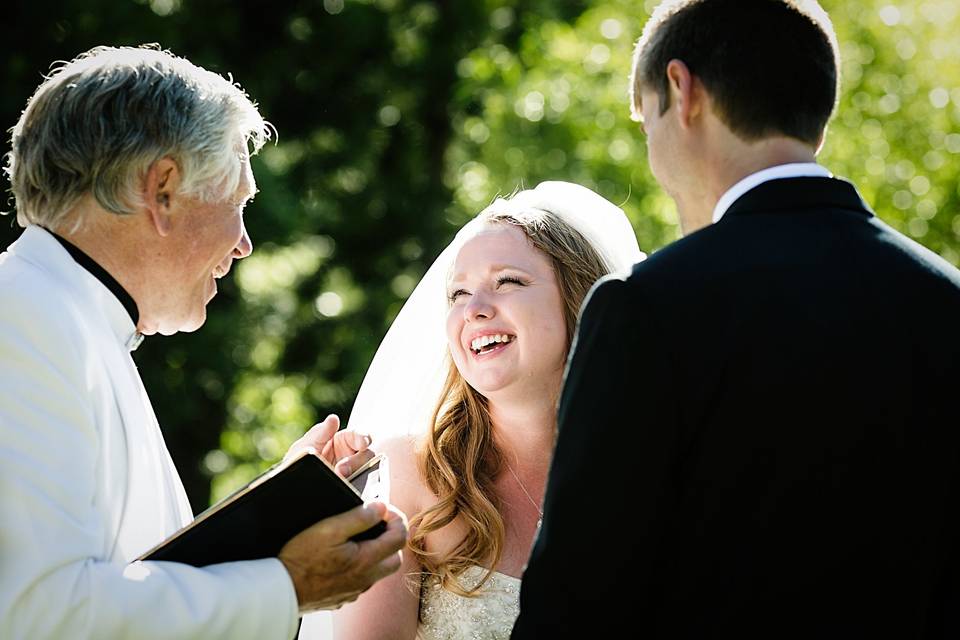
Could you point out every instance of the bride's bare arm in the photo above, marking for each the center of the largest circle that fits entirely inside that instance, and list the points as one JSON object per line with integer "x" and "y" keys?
{"x": 390, "y": 609}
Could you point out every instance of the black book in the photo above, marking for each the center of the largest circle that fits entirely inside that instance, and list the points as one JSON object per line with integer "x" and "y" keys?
{"x": 258, "y": 519}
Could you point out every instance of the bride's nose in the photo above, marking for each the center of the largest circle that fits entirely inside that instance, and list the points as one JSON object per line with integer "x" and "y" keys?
{"x": 479, "y": 308}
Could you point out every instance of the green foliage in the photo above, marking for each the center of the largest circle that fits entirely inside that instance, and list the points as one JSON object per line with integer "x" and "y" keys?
{"x": 400, "y": 119}
{"x": 554, "y": 106}
{"x": 897, "y": 132}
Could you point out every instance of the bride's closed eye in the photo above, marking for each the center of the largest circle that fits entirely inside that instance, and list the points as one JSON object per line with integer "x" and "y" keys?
{"x": 453, "y": 295}
{"x": 510, "y": 279}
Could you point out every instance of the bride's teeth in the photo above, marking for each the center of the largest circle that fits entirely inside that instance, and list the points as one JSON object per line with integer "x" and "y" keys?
{"x": 479, "y": 343}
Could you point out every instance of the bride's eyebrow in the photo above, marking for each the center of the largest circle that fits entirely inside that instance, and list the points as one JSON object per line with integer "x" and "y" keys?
{"x": 508, "y": 267}
{"x": 460, "y": 276}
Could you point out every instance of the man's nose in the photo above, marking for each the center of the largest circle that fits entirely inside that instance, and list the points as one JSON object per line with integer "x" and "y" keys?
{"x": 244, "y": 247}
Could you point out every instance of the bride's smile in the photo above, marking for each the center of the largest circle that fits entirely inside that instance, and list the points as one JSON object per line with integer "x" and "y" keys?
{"x": 486, "y": 344}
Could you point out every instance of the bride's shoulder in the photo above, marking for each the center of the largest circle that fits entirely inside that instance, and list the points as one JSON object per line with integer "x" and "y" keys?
{"x": 408, "y": 490}
{"x": 399, "y": 450}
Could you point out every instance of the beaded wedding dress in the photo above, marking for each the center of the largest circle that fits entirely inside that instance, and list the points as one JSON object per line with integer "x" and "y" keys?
{"x": 490, "y": 615}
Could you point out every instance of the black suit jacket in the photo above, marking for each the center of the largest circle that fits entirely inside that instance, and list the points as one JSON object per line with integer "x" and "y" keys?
{"x": 759, "y": 436}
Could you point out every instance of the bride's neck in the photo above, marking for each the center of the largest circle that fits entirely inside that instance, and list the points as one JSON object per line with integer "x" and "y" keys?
{"x": 525, "y": 432}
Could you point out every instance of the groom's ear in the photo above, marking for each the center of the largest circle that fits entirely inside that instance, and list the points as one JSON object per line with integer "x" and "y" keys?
{"x": 686, "y": 92}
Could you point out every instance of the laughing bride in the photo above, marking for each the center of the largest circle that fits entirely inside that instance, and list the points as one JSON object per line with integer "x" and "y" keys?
{"x": 462, "y": 396}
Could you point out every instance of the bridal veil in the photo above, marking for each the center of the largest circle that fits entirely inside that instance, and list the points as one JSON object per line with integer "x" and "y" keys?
{"x": 402, "y": 386}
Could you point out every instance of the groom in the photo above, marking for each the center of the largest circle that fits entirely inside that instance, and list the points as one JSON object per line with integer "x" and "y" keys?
{"x": 758, "y": 432}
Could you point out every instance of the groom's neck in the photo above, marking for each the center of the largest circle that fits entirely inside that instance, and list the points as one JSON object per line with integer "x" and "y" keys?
{"x": 727, "y": 161}
{"x": 750, "y": 157}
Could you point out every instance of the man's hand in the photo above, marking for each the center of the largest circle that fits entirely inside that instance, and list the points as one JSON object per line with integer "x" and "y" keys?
{"x": 329, "y": 570}
{"x": 345, "y": 450}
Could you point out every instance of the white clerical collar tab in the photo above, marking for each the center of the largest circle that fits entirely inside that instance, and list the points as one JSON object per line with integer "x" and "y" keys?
{"x": 134, "y": 341}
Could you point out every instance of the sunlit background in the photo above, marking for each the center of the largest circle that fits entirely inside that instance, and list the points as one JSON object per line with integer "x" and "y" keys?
{"x": 398, "y": 121}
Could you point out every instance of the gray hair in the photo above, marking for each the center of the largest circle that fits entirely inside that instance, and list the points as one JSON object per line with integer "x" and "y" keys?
{"x": 97, "y": 123}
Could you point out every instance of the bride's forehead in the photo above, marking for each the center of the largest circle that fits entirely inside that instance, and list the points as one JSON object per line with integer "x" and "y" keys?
{"x": 501, "y": 244}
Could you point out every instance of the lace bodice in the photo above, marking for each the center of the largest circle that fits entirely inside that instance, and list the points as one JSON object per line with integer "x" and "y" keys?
{"x": 489, "y": 616}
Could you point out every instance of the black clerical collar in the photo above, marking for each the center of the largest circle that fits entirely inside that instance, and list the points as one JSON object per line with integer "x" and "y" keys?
{"x": 101, "y": 274}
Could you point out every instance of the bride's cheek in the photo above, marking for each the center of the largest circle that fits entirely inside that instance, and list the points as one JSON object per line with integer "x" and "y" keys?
{"x": 454, "y": 329}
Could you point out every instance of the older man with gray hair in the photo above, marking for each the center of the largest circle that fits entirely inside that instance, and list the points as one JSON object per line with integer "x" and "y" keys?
{"x": 130, "y": 169}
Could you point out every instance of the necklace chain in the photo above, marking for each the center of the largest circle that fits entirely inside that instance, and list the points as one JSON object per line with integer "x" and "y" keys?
{"x": 526, "y": 493}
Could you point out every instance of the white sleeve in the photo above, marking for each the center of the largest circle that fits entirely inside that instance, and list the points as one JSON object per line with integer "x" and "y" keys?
{"x": 54, "y": 535}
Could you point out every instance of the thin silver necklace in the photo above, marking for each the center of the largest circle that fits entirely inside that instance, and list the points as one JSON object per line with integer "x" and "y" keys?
{"x": 527, "y": 493}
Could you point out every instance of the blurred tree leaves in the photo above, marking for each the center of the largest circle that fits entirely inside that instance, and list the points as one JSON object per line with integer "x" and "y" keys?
{"x": 400, "y": 119}
{"x": 897, "y": 132}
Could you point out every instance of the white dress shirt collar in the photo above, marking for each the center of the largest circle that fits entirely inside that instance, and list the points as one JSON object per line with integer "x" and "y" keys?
{"x": 792, "y": 170}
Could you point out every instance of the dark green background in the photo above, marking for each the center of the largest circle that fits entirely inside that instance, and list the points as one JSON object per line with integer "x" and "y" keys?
{"x": 397, "y": 121}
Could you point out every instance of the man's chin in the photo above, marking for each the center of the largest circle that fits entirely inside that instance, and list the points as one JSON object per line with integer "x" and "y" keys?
{"x": 191, "y": 325}
{"x": 170, "y": 327}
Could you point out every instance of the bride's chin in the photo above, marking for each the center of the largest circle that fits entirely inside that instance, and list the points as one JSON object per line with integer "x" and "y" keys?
{"x": 492, "y": 390}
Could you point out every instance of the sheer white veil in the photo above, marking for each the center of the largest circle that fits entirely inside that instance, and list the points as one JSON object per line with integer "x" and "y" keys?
{"x": 402, "y": 387}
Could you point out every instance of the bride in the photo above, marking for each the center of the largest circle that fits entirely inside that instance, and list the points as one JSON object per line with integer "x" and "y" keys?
{"x": 462, "y": 396}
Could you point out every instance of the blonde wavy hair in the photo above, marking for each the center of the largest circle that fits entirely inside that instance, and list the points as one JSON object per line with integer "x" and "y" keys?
{"x": 458, "y": 457}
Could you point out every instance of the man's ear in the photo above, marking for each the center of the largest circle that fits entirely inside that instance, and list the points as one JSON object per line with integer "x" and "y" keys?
{"x": 686, "y": 92}
{"x": 160, "y": 187}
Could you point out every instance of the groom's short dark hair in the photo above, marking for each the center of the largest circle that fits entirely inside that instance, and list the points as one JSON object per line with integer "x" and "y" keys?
{"x": 770, "y": 66}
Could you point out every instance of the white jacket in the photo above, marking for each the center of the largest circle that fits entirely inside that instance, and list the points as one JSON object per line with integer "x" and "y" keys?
{"x": 86, "y": 483}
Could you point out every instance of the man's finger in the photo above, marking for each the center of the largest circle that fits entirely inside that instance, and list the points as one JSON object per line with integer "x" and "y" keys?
{"x": 322, "y": 432}
{"x": 389, "y": 542}
{"x": 317, "y": 438}
{"x": 335, "y": 602}
{"x": 395, "y": 514}
{"x": 321, "y": 435}
{"x": 388, "y": 566}
{"x": 346, "y": 466}
{"x": 355, "y": 440}
{"x": 393, "y": 563}
{"x": 327, "y": 453}
{"x": 349, "y": 523}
